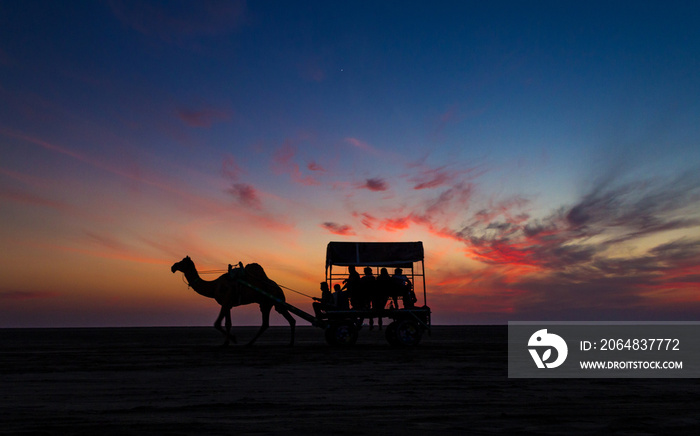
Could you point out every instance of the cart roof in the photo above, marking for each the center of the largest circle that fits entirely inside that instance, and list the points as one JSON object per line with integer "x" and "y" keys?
{"x": 374, "y": 253}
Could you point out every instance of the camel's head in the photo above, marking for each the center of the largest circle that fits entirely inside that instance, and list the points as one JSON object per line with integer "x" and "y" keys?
{"x": 182, "y": 265}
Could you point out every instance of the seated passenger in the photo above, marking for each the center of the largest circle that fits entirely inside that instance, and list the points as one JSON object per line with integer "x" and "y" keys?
{"x": 325, "y": 302}
{"x": 340, "y": 298}
{"x": 405, "y": 289}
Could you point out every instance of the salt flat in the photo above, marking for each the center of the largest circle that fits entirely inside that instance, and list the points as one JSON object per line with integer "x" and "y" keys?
{"x": 178, "y": 381}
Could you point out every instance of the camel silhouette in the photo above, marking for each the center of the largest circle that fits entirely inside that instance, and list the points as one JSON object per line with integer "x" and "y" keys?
{"x": 229, "y": 292}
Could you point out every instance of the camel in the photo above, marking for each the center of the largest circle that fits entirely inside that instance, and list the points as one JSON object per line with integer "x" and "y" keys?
{"x": 229, "y": 292}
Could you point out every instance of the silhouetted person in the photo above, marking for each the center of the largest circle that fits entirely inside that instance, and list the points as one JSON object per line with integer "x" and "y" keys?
{"x": 352, "y": 284}
{"x": 341, "y": 298}
{"x": 382, "y": 291}
{"x": 405, "y": 289}
{"x": 325, "y": 302}
{"x": 367, "y": 289}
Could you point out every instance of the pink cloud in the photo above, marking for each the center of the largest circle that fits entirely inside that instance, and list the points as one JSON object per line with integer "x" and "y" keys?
{"x": 313, "y": 166}
{"x": 283, "y": 162}
{"x": 132, "y": 173}
{"x": 394, "y": 224}
{"x": 245, "y": 195}
{"x": 374, "y": 184}
{"x": 109, "y": 167}
{"x": 451, "y": 116}
{"x": 338, "y": 229}
{"x": 359, "y": 144}
{"x": 443, "y": 120}
{"x": 367, "y": 220}
{"x": 107, "y": 241}
{"x": 432, "y": 179}
{"x": 283, "y": 158}
{"x": 35, "y": 200}
{"x": 362, "y": 145}
{"x": 554, "y": 259}
{"x": 230, "y": 168}
{"x": 109, "y": 253}
{"x": 202, "y": 118}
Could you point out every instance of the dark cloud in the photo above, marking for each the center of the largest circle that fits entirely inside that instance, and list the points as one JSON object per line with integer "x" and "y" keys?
{"x": 245, "y": 195}
{"x": 588, "y": 259}
{"x": 431, "y": 178}
{"x": 375, "y": 184}
{"x": 338, "y": 229}
{"x": 611, "y": 213}
{"x": 627, "y": 285}
{"x": 313, "y": 166}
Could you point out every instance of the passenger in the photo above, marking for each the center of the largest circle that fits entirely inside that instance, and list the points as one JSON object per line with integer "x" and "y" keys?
{"x": 367, "y": 290}
{"x": 324, "y": 303}
{"x": 386, "y": 288}
{"x": 405, "y": 289}
{"x": 352, "y": 284}
{"x": 341, "y": 298}
{"x": 382, "y": 291}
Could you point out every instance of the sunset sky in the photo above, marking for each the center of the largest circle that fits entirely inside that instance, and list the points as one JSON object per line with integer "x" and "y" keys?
{"x": 546, "y": 153}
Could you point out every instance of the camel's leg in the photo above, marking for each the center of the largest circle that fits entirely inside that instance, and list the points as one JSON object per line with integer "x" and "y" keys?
{"x": 290, "y": 319}
{"x": 229, "y": 335}
{"x": 265, "y": 309}
{"x": 225, "y": 313}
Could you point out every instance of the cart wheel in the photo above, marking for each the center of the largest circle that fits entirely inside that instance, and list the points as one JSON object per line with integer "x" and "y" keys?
{"x": 408, "y": 333}
{"x": 342, "y": 334}
{"x": 391, "y": 334}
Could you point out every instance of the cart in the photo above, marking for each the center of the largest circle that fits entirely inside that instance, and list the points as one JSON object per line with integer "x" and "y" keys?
{"x": 407, "y": 321}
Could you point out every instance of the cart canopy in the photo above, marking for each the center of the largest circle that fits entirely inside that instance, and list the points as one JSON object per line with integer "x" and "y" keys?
{"x": 397, "y": 254}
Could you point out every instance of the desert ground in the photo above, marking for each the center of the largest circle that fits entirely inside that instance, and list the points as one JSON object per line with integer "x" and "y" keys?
{"x": 178, "y": 381}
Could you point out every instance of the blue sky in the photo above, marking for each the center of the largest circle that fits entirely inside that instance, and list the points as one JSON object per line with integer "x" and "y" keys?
{"x": 545, "y": 152}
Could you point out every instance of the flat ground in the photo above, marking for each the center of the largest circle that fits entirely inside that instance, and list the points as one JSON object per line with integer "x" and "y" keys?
{"x": 178, "y": 381}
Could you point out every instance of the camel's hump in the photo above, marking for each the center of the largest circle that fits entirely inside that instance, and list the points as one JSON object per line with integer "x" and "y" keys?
{"x": 255, "y": 271}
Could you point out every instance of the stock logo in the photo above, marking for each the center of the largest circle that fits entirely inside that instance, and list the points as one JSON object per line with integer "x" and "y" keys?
{"x": 546, "y": 342}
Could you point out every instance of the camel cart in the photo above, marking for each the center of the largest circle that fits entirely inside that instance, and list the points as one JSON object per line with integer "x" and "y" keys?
{"x": 407, "y": 324}
{"x": 408, "y": 321}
